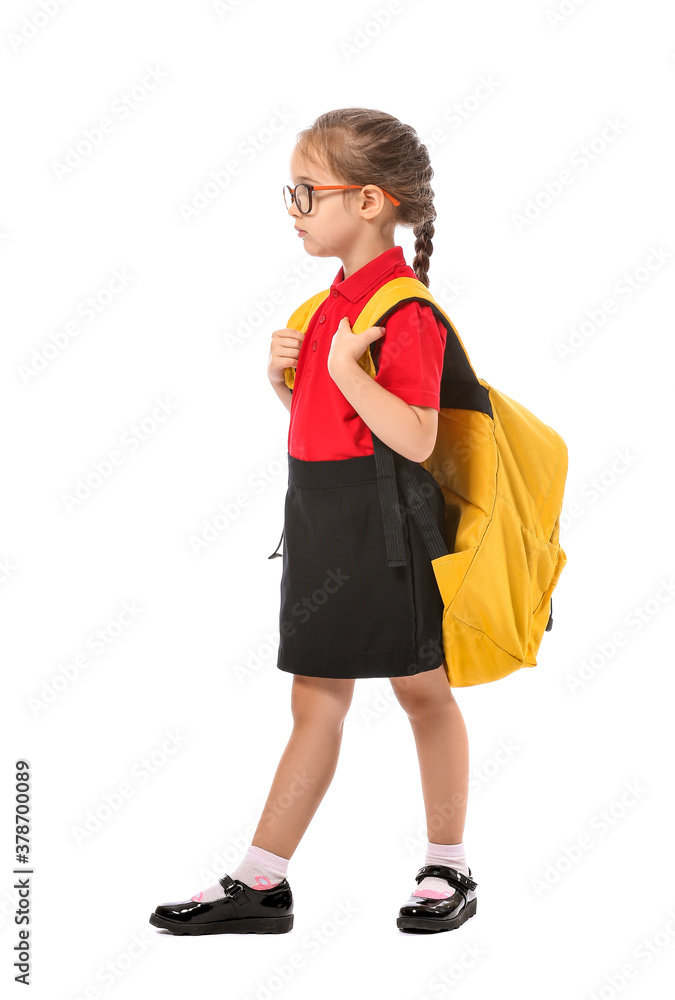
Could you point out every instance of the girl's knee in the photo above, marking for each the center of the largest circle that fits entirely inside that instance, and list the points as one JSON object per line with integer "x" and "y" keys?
{"x": 324, "y": 699}
{"x": 423, "y": 693}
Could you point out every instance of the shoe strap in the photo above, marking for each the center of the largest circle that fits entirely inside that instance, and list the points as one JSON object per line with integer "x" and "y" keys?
{"x": 233, "y": 890}
{"x": 456, "y": 878}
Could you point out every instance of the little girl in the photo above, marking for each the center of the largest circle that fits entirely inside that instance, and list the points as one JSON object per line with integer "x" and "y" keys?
{"x": 356, "y": 175}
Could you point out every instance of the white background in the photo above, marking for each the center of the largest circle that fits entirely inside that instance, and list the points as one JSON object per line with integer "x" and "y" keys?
{"x": 552, "y": 920}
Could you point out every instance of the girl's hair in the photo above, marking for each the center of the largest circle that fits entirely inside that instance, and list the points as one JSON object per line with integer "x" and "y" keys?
{"x": 362, "y": 146}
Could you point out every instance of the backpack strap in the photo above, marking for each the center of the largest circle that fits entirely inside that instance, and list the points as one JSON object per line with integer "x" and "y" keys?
{"x": 389, "y": 465}
{"x": 433, "y": 539}
{"x": 300, "y": 320}
{"x": 460, "y": 388}
{"x": 391, "y": 514}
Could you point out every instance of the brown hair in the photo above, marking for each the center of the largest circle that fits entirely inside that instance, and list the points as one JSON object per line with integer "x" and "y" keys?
{"x": 362, "y": 146}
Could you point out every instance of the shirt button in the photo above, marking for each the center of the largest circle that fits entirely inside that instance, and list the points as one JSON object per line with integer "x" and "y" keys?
{"x": 335, "y": 294}
{"x": 314, "y": 346}
{"x": 322, "y": 319}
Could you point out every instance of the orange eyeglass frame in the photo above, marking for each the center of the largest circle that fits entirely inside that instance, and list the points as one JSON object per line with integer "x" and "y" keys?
{"x": 329, "y": 187}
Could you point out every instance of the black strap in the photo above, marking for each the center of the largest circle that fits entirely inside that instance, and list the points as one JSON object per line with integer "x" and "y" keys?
{"x": 421, "y": 511}
{"x": 451, "y": 875}
{"x": 276, "y": 552}
{"x": 391, "y": 513}
{"x": 387, "y": 462}
{"x": 392, "y": 461}
{"x": 234, "y": 890}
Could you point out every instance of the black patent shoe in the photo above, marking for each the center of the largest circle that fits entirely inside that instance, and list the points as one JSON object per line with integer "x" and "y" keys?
{"x": 425, "y": 914}
{"x": 241, "y": 910}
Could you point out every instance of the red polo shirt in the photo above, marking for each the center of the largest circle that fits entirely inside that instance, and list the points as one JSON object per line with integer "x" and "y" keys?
{"x": 323, "y": 425}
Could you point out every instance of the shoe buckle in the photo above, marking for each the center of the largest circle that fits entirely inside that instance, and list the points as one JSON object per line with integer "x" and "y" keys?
{"x": 233, "y": 889}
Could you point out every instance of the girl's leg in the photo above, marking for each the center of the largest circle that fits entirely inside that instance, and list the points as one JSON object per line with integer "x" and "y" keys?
{"x": 319, "y": 706}
{"x": 442, "y": 749}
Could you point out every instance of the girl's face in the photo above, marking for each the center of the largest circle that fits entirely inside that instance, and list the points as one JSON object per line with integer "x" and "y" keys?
{"x": 339, "y": 220}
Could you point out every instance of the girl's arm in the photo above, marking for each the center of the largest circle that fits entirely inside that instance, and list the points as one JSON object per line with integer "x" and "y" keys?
{"x": 409, "y": 430}
{"x": 283, "y": 392}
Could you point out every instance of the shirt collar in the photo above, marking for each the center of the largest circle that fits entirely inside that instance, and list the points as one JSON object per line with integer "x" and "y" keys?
{"x": 370, "y": 276}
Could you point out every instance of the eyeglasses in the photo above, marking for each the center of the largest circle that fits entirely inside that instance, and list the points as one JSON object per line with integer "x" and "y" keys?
{"x": 301, "y": 194}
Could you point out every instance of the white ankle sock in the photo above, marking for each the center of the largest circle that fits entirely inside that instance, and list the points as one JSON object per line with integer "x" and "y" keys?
{"x": 258, "y": 869}
{"x": 451, "y": 855}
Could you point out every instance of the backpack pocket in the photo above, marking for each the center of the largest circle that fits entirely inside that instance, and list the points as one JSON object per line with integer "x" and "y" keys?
{"x": 496, "y": 599}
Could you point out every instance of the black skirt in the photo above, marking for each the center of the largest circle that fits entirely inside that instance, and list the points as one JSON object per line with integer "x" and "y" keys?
{"x": 344, "y": 612}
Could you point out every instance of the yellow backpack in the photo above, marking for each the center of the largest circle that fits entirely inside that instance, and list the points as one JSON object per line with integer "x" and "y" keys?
{"x": 502, "y": 472}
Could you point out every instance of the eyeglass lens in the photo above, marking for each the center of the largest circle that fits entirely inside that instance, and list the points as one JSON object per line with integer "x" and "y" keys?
{"x": 301, "y": 196}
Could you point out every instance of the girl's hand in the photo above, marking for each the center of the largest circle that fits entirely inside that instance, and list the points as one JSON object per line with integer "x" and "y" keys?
{"x": 284, "y": 353}
{"x": 348, "y": 346}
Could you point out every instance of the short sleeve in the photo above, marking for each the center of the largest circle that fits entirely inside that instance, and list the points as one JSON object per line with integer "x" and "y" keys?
{"x": 410, "y": 360}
